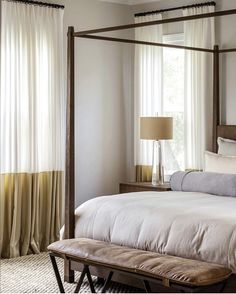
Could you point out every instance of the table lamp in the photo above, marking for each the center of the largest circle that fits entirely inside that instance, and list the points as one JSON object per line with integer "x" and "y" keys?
{"x": 156, "y": 129}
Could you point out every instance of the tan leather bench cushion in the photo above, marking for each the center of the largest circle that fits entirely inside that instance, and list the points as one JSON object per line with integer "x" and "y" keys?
{"x": 175, "y": 269}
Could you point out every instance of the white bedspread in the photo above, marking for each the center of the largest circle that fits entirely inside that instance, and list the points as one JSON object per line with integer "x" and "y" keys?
{"x": 192, "y": 225}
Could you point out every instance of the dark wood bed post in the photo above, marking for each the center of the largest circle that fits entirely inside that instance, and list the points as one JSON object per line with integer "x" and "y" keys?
{"x": 216, "y": 95}
{"x": 70, "y": 151}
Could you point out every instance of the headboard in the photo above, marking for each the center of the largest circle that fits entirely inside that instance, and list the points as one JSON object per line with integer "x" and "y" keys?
{"x": 228, "y": 132}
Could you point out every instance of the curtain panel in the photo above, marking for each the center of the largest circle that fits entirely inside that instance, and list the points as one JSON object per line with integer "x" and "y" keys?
{"x": 198, "y": 89}
{"x": 32, "y": 127}
{"x": 147, "y": 90}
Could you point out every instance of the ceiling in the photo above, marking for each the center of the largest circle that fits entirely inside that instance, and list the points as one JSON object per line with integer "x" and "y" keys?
{"x": 130, "y": 2}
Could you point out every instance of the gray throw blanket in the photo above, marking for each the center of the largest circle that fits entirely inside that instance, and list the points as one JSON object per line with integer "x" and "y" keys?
{"x": 204, "y": 182}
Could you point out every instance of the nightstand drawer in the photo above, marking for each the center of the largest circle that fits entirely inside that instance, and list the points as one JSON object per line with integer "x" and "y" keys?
{"x": 141, "y": 187}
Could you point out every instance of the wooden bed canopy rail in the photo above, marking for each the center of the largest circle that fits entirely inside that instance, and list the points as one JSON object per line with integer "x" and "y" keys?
{"x": 218, "y": 129}
{"x": 157, "y": 22}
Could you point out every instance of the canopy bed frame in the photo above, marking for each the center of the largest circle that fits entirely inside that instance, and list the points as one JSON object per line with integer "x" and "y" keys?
{"x": 218, "y": 129}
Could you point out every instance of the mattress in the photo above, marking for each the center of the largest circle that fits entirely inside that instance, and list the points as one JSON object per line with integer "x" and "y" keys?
{"x": 185, "y": 224}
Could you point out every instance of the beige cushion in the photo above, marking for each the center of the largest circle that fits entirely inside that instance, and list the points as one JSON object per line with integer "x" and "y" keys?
{"x": 217, "y": 163}
{"x": 165, "y": 267}
{"x": 226, "y": 147}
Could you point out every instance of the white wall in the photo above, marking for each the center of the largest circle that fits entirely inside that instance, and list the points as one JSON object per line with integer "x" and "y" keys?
{"x": 104, "y": 90}
{"x": 103, "y": 99}
{"x": 226, "y": 28}
{"x": 226, "y": 38}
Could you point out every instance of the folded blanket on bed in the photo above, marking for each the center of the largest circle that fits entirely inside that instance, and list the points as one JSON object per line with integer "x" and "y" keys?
{"x": 204, "y": 182}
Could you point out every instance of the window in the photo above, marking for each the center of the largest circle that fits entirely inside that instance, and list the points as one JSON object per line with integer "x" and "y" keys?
{"x": 159, "y": 89}
{"x": 173, "y": 101}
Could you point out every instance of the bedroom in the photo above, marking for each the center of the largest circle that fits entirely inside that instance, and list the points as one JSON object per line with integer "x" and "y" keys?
{"x": 109, "y": 84}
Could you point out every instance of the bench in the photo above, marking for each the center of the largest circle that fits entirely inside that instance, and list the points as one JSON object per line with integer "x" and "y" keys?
{"x": 182, "y": 274}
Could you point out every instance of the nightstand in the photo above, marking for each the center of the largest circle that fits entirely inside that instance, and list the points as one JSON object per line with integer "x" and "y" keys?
{"x": 139, "y": 187}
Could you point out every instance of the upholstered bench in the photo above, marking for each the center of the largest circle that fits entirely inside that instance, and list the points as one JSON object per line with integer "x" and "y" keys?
{"x": 183, "y": 274}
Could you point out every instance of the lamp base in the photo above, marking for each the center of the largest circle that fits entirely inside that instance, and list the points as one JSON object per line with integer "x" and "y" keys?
{"x": 158, "y": 180}
{"x": 157, "y": 167}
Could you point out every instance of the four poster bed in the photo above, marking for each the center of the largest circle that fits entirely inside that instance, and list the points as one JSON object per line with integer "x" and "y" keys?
{"x": 84, "y": 229}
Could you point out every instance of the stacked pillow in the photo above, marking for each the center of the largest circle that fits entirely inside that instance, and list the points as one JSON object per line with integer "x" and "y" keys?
{"x": 226, "y": 147}
{"x": 225, "y": 160}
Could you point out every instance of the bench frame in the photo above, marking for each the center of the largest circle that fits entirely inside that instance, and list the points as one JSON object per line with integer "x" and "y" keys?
{"x": 144, "y": 278}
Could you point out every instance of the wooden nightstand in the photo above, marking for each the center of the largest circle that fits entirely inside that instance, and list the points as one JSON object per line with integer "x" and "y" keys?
{"x": 139, "y": 187}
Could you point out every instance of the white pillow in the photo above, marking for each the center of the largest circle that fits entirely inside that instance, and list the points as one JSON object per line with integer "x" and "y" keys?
{"x": 217, "y": 163}
{"x": 226, "y": 147}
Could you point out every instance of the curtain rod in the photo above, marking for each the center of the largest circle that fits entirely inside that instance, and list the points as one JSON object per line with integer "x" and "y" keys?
{"x": 31, "y": 2}
{"x": 212, "y": 3}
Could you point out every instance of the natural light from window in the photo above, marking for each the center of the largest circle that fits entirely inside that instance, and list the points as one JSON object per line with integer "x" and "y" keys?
{"x": 173, "y": 101}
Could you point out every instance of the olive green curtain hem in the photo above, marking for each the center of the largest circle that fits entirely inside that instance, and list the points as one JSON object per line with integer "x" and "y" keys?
{"x": 30, "y": 212}
{"x": 143, "y": 173}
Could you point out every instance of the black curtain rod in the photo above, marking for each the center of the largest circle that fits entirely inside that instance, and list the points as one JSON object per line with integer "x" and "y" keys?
{"x": 31, "y": 2}
{"x": 212, "y": 3}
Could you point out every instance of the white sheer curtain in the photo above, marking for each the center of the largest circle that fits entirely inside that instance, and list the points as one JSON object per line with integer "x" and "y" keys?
{"x": 31, "y": 127}
{"x": 148, "y": 83}
{"x": 198, "y": 87}
{"x": 32, "y": 88}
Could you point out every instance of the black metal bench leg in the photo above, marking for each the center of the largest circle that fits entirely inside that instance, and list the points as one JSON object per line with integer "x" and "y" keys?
{"x": 90, "y": 280}
{"x": 81, "y": 279}
{"x": 107, "y": 283}
{"x": 147, "y": 286}
{"x": 57, "y": 274}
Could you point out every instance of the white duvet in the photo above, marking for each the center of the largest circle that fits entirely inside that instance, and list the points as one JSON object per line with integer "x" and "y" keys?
{"x": 191, "y": 225}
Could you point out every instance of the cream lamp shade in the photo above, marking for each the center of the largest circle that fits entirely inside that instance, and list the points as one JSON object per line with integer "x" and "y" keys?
{"x": 156, "y": 128}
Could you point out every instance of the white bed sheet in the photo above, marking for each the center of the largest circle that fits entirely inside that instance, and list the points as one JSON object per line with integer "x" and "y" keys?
{"x": 191, "y": 225}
